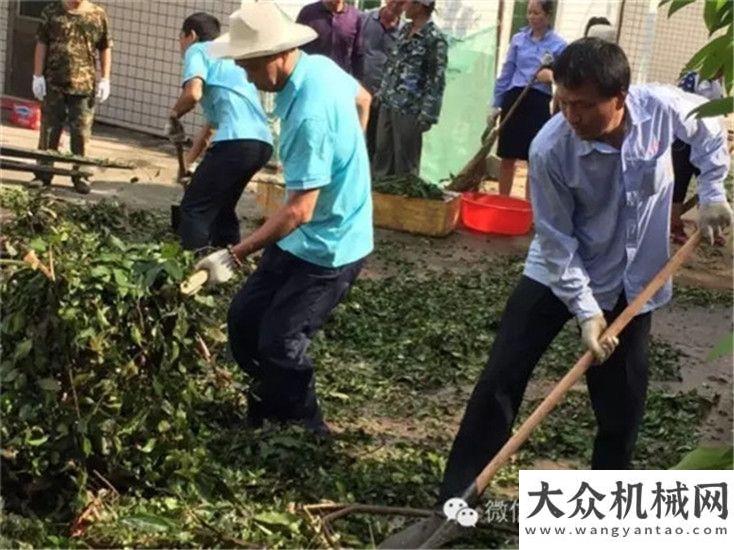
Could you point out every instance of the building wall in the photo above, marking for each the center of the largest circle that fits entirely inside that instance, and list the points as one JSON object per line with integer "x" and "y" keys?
{"x": 147, "y": 65}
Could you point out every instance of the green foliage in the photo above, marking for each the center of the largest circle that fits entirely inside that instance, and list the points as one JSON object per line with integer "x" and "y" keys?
{"x": 717, "y": 56}
{"x": 395, "y": 365}
{"x": 100, "y": 363}
{"x": 408, "y": 185}
{"x": 724, "y": 348}
{"x": 707, "y": 458}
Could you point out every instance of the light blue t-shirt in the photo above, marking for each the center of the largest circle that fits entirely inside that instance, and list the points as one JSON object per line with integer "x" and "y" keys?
{"x": 231, "y": 104}
{"x": 322, "y": 146}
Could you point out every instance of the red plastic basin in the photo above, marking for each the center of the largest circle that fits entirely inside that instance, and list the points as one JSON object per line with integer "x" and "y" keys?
{"x": 496, "y": 214}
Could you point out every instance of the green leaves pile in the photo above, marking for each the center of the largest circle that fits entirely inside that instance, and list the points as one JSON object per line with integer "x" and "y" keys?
{"x": 100, "y": 371}
{"x": 102, "y": 383}
{"x": 408, "y": 185}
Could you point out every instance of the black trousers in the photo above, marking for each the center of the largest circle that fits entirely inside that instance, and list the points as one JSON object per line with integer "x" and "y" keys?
{"x": 683, "y": 170}
{"x": 271, "y": 321}
{"x": 531, "y": 320}
{"x": 208, "y": 216}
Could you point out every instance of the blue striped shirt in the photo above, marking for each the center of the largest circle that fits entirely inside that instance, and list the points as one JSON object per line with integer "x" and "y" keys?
{"x": 601, "y": 214}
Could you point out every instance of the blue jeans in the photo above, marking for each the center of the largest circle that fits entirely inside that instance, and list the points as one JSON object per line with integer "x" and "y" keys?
{"x": 271, "y": 321}
{"x": 208, "y": 216}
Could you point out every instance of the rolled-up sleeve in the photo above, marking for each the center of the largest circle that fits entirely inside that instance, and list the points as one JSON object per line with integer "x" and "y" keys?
{"x": 553, "y": 211}
{"x": 707, "y": 139}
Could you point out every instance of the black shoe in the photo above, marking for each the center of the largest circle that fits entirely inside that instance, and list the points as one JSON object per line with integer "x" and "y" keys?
{"x": 82, "y": 187}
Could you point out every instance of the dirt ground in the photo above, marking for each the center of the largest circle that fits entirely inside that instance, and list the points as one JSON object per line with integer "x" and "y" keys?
{"x": 692, "y": 330}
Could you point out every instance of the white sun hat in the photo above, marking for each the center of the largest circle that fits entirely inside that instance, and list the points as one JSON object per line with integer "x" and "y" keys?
{"x": 258, "y": 29}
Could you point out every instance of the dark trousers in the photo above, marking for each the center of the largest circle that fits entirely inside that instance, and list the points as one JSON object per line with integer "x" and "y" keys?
{"x": 531, "y": 320}
{"x": 399, "y": 144}
{"x": 208, "y": 216}
{"x": 683, "y": 170}
{"x": 58, "y": 109}
{"x": 271, "y": 321}
{"x": 371, "y": 133}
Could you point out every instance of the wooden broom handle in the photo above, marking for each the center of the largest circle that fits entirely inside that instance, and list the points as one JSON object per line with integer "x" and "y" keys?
{"x": 582, "y": 365}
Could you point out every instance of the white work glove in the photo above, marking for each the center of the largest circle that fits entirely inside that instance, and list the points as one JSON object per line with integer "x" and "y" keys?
{"x": 591, "y": 331}
{"x": 713, "y": 218}
{"x": 39, "y": 87}
{"x": 103, "y": 90}
{"x": 492, "y": 115}
{"x": 220, "y": 265}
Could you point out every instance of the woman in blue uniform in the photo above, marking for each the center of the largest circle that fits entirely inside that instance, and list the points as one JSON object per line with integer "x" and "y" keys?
{"x": 527, "y": 49}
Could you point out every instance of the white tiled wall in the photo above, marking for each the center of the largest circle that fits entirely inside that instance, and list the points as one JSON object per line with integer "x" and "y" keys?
{"x": 146, "y": 66}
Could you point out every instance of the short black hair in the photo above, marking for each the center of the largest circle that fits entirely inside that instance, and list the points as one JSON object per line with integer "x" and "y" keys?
{"x": 205, "y": 26}
{"x": 594, "y": 21}
{"x": 547, "y": 5}
{"x": 595, "y": 61}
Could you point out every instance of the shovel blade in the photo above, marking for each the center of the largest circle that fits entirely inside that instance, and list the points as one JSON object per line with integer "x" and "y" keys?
{"x": 432, "y": 532}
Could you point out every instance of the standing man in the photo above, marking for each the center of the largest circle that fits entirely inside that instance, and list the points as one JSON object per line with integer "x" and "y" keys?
{"x": 315, "y": 244}
{"x": 70, "y": 34}
{"x": 337, "y": 25}
{"x": 602, "y": 185}
{"x": 235, "y": 137}
{"x": 379, "y": 34}
{"x": 411, "y": 92}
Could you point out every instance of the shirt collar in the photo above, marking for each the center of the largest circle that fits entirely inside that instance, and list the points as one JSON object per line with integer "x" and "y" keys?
{"x": 636, "y": 115}
{"x": 546, "y": 34}
{"x": 285, "y": 97}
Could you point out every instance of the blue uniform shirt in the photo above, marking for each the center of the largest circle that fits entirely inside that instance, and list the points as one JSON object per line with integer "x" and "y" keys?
{"x": 230, "y": 103}
{"x": 523, "y": 61}
{"x": 601, "y": 214}
{"x": 322, "y": 146}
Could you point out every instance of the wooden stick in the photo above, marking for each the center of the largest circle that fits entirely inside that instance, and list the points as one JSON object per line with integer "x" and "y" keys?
{"x": 17, "y": 166}
{"x": 582, "y": 365}
{"x": 50, "y": 155}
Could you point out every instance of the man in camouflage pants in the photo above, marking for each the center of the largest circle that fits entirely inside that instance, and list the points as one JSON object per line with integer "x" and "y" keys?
{"x": 70, "y": 34}
{"x": 411, "y": 92}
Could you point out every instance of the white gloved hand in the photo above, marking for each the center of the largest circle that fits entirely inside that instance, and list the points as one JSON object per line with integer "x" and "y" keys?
{"x": 39, "y": 87}
{"x": 220, "y": 265}
{"x": 103, "y": 90}
{"x": 713, "y": 218}
{"x": 591, "y": 331}
{"x": 492, "y": 114}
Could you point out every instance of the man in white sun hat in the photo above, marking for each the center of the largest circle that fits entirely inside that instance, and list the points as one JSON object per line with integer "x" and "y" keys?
{"x": 315, "y": 244}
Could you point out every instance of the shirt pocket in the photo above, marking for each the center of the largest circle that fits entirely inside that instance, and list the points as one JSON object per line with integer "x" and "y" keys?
{"x": 655, "y": 175}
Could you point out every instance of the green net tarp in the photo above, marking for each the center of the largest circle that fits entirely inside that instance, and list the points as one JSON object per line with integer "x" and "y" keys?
{"x": 449, "y": 145}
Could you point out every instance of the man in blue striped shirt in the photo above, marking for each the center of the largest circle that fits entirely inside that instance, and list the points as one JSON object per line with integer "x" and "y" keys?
{"x": 602, "y": 184}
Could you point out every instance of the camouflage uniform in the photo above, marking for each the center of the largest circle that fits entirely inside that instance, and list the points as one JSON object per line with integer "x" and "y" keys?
{"x": 410, "y": 98}
{"x": 72, "y": 41}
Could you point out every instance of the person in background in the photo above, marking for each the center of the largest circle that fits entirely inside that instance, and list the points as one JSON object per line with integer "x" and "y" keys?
{"x": 524, "y": 57}
{"x": 337, "y": 25}
{"x": 70, "y": 35}
{"x": 683, "y": 168}
{"x": 600, "y": 27}
{"x": 315, "y": 244}
{"x": 411, "y": 92}
{"x": 235, "y": 125}
{"x": 379, "y": 33}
